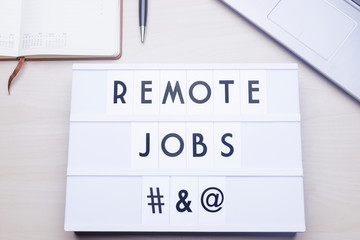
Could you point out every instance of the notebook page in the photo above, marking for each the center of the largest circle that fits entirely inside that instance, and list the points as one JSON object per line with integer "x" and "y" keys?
{"x": 10, "y": 15}
{"x": 70, "y": 27}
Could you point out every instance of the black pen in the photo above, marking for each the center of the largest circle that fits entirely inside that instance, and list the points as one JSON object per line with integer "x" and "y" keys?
{"x": 142, "y": 18}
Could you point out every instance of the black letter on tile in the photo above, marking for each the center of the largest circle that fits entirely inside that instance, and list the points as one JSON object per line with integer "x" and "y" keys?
{"x": 200, "y": 142}
{"x": 191, "y": 94}
{"x": 121, "y": 95}
{"x": 251, "y": 90}
{"x": 143, "y": 90}
{"x": 178, "y": 152}
{"x": 226, "y": 82}
{"x": 146, "y": 153}
{"x": 177, "y": 90}
{"x": 227, "y": 144}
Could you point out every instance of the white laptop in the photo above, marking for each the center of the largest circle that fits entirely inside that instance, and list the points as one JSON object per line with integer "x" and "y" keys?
{"x": 324, "y": 33}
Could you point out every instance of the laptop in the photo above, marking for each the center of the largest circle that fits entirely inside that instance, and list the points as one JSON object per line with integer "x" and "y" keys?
{"x": 324, "y": 33}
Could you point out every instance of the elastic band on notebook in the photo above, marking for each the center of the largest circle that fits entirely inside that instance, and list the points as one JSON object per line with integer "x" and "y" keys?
{"x": 16, "y": 71}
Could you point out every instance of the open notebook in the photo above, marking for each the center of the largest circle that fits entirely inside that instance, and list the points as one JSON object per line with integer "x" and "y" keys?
{"x": 66, "y": 28}
{"x": 60, "y": 29}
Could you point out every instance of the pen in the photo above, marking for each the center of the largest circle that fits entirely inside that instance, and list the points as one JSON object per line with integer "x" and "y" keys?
{"x": 142, "y": 18}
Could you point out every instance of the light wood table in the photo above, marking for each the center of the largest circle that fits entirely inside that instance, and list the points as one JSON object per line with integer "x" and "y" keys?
{"x": 34, "y": 123}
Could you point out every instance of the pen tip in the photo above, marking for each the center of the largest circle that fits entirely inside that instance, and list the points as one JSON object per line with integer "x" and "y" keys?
{"x": 142, "y": 34}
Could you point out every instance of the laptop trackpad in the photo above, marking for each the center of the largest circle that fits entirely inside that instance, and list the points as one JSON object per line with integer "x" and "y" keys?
{"x": 315, "y": 23}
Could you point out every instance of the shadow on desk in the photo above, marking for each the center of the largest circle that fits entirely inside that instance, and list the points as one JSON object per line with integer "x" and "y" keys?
{"x": 183, "y": 235}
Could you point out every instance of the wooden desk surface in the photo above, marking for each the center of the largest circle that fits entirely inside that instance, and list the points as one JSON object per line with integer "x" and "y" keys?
{"x": 34, "y": 123}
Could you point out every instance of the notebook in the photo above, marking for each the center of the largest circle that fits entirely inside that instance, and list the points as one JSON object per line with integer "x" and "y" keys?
{"x": 185, "y": 148}
{"x": 60, "y": 29}
{"x": 40, "y": 30}
{"x": 324, "y": 33}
